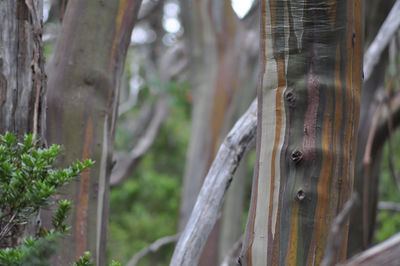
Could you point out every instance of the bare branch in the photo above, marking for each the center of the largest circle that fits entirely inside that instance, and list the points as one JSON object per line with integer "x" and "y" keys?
{"x": 231, "y": 259}
{"x": 385, "y": 253}
{"x": 125, "y": 166}
{"x": 392, "y": 165}
{"x": 205, "y": 212}
{"x": 336, "y": 234}
{"x": 155, "y": 246}
{"x": 389, "y": 206}
{"x": 382, "y": 39}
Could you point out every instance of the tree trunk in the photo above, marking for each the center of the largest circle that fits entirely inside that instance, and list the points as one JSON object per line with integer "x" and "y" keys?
{"x": 22, "y": 78}
{"x": 83, "y": 97}
{"x": 363, "y": 218}
{"x": 215, "y": 39}
{"x": 309, "y": 97}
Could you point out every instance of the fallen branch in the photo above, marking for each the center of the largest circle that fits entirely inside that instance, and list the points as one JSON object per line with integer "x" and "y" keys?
{"x": 385, "y": 253}
{"x": 336, "y": 234}
{"x": 239, "y": 140}
{"x": 125, "y": 165}
{"x": 155, "y": 246}
{"x": 382, "y": 39}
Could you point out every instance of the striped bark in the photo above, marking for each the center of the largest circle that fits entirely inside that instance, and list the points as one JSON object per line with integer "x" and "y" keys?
{"x": 309, "y": 97}
{"x": 83, "y": 91}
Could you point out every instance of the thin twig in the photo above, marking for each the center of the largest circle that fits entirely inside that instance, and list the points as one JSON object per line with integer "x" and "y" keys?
{"x": 231, "y": 258}
{"x": 156, "y": 245}
{"x": 392, "y": 166}
{"x": 7, "y": 227}
{"x": 124, "y": 167}
{"x": 389, "y": 206}
{"x": 367, "y": 165}
{"x": 336, "y": 234}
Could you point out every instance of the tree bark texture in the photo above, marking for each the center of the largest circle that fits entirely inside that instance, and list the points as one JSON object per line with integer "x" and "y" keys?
{"x": 22, "y": 78}
{"x": 309, "y": 96}
{"x": 216, "y": 41}
{"x": 84, "y": 77}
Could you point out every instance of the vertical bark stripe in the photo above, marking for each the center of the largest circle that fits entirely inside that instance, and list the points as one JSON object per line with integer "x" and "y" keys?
{"x": 83, "y": 196}
{"x": 306, "y": 146}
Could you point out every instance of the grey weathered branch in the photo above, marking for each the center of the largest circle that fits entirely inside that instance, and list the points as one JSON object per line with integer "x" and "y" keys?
{"x": 385, "y": 253}
{"x": 156, "y": 245}
{"x": 125, "y": 165}
{"x": 382, "y": 39}
{"x": 239, "y": 140}
{"x": 389, "y": 206}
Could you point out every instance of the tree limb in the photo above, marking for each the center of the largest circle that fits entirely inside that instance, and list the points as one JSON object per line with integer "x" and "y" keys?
{"x": 389, "y": 206}
{"x": 382, "y": 39}
{"x": 156, "y": 245}
{"x": 239, "y": 140}
{"x": 385, "y": 253}
{"x": 124, "y": 166}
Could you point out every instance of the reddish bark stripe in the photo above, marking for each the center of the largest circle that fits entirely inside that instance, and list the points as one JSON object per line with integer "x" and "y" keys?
{"x": 83, "y": 197}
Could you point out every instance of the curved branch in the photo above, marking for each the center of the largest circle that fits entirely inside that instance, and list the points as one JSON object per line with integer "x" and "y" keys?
{"x": 125, "y": 166}
{"x": 239, "y": 140}
{"x": 385, "y": 253}
{"x": 156, "y": 245}
{"x": 382, "y": 39}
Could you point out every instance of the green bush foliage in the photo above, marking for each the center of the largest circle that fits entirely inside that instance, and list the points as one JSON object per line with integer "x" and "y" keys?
{"x": 28, "y": 180}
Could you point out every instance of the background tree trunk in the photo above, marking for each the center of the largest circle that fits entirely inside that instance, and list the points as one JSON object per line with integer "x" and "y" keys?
{"x": 309, "y": 97}
{"x": 220, "y": 58}
{"x": 362, "y": 219}
{"x": 83, "y": 94}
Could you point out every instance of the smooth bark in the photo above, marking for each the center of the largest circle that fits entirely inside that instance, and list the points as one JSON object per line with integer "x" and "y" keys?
{"x": 309, "y": 97}
{"x": 83, "y": 97}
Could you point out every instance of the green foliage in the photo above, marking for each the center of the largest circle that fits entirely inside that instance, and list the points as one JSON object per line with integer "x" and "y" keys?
{"x": 28, "y": 179}
{"x": 146, "y": 207}
{"x": 31, "y": 252}
{"x": 389, "y": 222}
{"x": 85, "y": 260}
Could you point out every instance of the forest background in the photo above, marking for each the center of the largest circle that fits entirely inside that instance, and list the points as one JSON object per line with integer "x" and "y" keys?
{"x": 169, "y": 128}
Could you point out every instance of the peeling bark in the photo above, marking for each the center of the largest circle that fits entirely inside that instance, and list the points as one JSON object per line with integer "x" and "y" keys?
{"x": 309, "y": 96}
{"x": 22, "y": 77}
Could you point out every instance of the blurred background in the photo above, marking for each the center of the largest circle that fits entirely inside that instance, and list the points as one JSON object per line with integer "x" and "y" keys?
{"x": 188, "y": 77}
